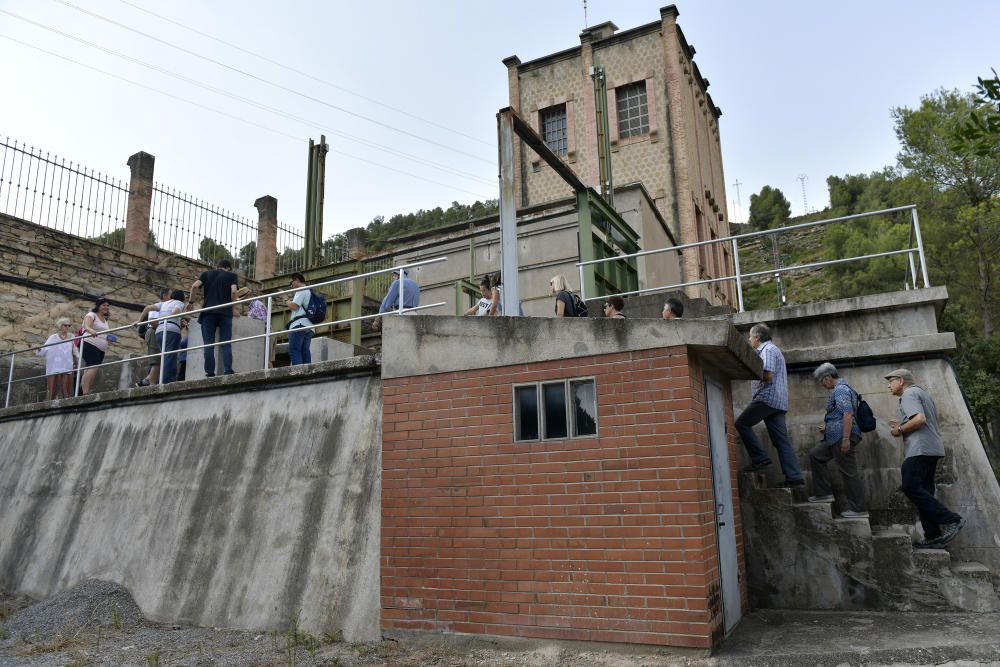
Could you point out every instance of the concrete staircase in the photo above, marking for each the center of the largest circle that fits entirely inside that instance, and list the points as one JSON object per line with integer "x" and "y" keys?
{"x": 800, "y": 556}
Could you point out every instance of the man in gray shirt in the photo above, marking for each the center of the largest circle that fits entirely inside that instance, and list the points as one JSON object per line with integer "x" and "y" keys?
{"x": 923, "y": 448}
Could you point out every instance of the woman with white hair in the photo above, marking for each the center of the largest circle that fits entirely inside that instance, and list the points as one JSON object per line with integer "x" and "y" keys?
{"x": 59, "y": 354}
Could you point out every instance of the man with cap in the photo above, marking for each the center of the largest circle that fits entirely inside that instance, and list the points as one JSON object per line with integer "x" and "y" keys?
{"x": 841, "y": 434}
{"x": 400, "y": 284}
{"x": 923, "y": 448}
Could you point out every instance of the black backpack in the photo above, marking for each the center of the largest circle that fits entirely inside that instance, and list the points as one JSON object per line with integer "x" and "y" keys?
{"x": 864, "y": 415}
{"x": 579, "y": 305}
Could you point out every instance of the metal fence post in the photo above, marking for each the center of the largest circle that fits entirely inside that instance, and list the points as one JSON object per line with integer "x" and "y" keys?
{"x": 10, "y": 379}
{"x": 79, "y": 369}
{"x": 267, "y": 335}
{"x": 920, "y": 248}
{"x": 163, "y": 346}
{"x": 739, "y": 279}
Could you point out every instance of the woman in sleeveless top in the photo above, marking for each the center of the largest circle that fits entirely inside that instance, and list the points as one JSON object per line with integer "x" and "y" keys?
{"x": 93, "y": 347}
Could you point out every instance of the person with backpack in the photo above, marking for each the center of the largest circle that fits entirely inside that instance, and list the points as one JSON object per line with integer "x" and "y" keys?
{"x": 568, "y": 303}
{"x": 299, "y": 337}
{"x": 841, "y": 431}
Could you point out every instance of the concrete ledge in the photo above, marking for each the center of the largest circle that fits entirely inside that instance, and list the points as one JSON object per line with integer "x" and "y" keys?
{"x": 188, "y": 388}
{"x": 938, "y": 296}
{"x": 423, "y": 345}
{"x": 875, "y": 349}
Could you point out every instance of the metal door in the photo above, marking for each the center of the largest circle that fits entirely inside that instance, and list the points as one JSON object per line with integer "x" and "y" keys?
{"x": 724, "y": 515}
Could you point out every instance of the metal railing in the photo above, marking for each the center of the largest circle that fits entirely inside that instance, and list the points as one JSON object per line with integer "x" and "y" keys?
{"x": 199, "y": 229}
{"x": 291, "y": 254}
{"x": 48, "y": 191}
{"x": 267, "y": 335}
{"x": 909, "y": 279}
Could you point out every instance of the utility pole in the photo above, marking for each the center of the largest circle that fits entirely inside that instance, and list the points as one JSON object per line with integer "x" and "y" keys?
{"x": 739, "y": 202}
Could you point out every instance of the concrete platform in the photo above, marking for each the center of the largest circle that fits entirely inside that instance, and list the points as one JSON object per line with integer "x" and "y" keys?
{"x": 768, "y": 638}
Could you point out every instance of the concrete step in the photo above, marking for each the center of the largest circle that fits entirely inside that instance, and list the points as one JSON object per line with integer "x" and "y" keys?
{"x": 931, "y": 561}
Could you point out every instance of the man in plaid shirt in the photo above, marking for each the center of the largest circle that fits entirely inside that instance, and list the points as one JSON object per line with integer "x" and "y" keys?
{"x": 769, "y": 403}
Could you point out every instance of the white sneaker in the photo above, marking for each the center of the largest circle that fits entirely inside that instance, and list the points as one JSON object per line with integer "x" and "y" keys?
{"x": 851, "y": 514}
{"x": 821, "y": 499}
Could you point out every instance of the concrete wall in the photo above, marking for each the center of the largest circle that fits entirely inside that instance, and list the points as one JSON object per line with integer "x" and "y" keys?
{"x": 235, "y": 502}
{"x": 867, "y": 337}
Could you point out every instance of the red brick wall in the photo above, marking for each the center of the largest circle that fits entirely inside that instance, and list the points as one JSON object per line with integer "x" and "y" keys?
{"x": 605, "y": 539}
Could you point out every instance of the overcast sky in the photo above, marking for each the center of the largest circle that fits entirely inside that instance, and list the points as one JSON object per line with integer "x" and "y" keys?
{"x": 804, "y": 87}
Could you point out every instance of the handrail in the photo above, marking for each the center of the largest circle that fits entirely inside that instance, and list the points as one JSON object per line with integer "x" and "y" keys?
{"x": 267, "y": 335}
{"x": 738, "y": 276}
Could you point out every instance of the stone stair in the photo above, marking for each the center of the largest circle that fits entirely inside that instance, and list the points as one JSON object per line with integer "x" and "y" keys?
{"x": 800, "y": 556}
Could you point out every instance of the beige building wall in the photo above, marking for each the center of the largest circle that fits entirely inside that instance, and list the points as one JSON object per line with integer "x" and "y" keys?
{"x": 678, "y": 161}
{"x": 547, "y": 245}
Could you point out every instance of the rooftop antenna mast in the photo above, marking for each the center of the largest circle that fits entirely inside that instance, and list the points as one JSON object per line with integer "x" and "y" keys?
{"x": 585, "y": 24}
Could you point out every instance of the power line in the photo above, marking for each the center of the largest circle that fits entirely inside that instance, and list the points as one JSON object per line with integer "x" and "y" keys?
{"x": 224, "y": 113}
{"x": 269, "y": 82}
{"x": 249, "y": 101}
{"x": 305, "y": 74}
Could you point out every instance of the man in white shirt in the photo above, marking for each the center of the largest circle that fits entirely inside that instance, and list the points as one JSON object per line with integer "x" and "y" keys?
{"x": 298, "y": 336}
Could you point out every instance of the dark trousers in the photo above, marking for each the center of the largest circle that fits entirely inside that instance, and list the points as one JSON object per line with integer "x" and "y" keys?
{"x": 847, "y": 463}
{"x": 774, "y": 420}
{"x": 212, "y": 323}
{"x": 170, "y": 354}
{"x": 298, "y": 345}
{"x": 918, "y": 485}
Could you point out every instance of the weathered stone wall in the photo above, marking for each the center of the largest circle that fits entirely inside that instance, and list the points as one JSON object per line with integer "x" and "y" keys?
{"x": 47, "y": 274}
{"x": 237, "y": 502}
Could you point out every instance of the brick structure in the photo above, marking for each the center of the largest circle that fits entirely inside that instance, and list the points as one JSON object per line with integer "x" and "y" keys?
{"x": 606, "y": 538}
{"x": 677, "y": 156}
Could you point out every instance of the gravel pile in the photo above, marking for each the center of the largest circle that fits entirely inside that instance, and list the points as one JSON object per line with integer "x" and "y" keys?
{"x": 87, "y": 605}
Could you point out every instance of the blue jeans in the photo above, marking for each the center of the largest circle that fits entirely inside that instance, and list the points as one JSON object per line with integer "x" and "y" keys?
{"x": 298, "y": 345}
{"x": 210, "y": 324}
{"x": 169, "y": 360}
{"x": 774, "y": 420}
{"x": 918, "y": 485}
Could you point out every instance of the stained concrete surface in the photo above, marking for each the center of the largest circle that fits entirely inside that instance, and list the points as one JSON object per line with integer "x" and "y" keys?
{"x": 241, "y": 502}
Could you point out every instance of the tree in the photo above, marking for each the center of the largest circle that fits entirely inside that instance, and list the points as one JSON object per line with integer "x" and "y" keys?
{"x": 769, "y": 209}
{"x": 981, "y": 131}
{"x": 116, "y": 238}
{"x": 247, "y": 259}
{"x": 967, "y": 182}
{"x": 213, "y": 252}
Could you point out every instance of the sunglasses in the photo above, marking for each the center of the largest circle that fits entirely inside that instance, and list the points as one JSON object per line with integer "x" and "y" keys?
{"x": 607, "y": 305}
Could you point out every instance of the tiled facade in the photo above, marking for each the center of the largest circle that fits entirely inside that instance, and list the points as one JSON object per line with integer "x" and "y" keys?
{"x": 679, "y": 160}
{"x": 606, "y": 538}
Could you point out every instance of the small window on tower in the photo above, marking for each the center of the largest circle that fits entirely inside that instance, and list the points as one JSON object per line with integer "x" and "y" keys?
{"x": 554, "y": 128}
{"x": 633, "y": 112}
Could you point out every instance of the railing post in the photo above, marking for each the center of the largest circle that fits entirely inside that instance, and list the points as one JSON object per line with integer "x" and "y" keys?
{"x": 739, "y": 279}
{"x": 140, "y": 200}
{"x": 10, "y": 380}
{"x": 79, "y": 369}
{"x": 163, "y": 347}
{"x": 402, "y": 274}
{"x": 357, "y": 304}
{"x": 267, "y": 237}
{"x": 920, "y": 248}
{"x": 267, "y": 334}
{"x": 911, "y": 283}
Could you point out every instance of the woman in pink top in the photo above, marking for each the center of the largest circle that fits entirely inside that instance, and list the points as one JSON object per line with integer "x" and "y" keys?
{"x": 93, "y": 347}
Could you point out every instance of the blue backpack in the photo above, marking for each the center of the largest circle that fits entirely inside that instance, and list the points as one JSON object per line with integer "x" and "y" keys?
{"x": 316, "y": 310}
